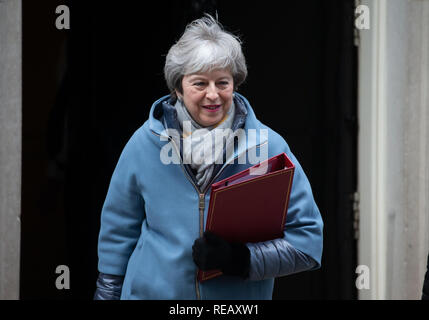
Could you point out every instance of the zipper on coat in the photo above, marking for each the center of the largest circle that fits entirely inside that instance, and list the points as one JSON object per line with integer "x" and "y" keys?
{"x": 201, "y": 207}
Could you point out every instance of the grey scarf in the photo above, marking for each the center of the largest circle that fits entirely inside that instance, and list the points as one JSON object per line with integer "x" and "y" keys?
{"x": 203, "y": 146}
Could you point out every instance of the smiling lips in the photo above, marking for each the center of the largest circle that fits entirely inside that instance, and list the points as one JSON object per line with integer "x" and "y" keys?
{"x": 212, "y": 108}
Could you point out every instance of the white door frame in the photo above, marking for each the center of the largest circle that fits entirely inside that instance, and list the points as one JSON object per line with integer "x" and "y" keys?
{"x": 371, "y": 152}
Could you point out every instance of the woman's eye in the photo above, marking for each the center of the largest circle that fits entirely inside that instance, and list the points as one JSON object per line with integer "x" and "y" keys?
{"x": 223, "y": 83}
{"x": 199, "y": 84}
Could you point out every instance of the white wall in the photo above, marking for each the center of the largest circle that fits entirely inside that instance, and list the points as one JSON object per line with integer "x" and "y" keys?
{"x": 394, "y": 148}
{"x": 10, "y": 147}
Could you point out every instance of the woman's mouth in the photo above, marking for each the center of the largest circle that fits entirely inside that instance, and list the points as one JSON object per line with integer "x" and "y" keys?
{"x": 212, "y": 108}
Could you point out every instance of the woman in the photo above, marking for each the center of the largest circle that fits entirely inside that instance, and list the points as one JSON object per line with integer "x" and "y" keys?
{"x": 151, "y": 240}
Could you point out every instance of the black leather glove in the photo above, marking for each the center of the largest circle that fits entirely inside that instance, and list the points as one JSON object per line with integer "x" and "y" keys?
{"x": 109, "y": 287}
{"x": 212, "y": 252}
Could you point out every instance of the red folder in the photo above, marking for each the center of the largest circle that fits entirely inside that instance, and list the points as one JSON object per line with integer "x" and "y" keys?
{"x": 251, "y": 206}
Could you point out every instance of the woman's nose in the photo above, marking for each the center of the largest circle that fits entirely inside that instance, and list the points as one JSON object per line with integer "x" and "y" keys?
{"x": 211, "y": 92}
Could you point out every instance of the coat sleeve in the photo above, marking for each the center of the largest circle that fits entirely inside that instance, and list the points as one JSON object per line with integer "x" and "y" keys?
{"x": 122, "y": 213}
{"x": 109, "y": 287}
{"x": 301, "y": 247}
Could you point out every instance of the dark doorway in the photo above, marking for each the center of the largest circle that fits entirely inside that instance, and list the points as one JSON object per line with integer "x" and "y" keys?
{"x": 87, "y": 89}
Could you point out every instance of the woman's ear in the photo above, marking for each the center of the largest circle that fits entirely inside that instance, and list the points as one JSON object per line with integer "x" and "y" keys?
{"x": 179, "y": 95}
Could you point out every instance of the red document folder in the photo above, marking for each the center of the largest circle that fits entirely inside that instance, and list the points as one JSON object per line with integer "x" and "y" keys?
{"x": 251, "y": 206}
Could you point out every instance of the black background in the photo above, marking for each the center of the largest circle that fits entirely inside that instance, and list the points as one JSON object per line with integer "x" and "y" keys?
{"x": 87, "y": 89}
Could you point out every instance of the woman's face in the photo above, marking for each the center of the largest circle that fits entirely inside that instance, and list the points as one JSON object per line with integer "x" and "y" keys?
{"x": 208, "y": 96}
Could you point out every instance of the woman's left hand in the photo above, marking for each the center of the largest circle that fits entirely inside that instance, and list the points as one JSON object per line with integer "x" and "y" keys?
{"x": 213, "y": 252}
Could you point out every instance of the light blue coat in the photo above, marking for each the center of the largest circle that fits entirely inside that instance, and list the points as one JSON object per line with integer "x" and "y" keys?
{"x": 153, "y": 213}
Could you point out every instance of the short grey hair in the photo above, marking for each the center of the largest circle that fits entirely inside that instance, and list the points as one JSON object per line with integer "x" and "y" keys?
{"x": 204, "y": 46}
